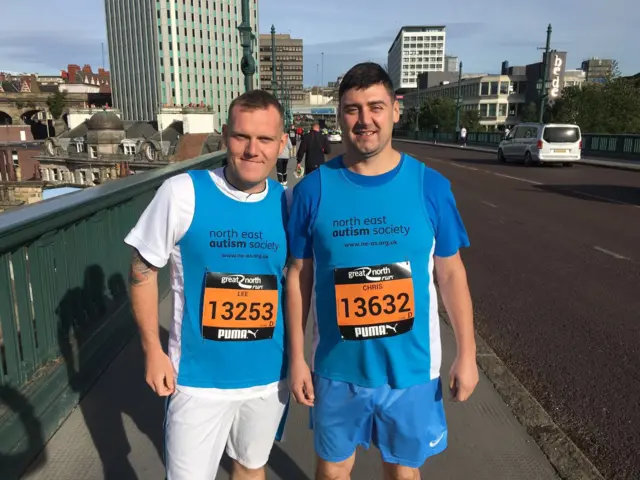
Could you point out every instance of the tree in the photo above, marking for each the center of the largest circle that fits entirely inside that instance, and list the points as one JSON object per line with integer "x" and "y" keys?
{"x": 57, "y": 103}
{"x": 611, "y": 107}
{"x": 530, "y": 113}
{"x": 470, "y": 119}
{"x": 438, "y": 111}
{"x": 410, "y": 118}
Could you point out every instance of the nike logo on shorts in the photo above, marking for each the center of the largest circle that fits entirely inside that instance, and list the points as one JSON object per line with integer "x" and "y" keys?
{"x": 436, "y": 441}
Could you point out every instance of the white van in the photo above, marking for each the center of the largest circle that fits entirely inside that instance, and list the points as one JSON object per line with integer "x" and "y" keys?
{"x": 542, "y": 143}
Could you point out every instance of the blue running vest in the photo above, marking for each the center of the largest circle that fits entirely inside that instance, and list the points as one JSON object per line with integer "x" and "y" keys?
{"x": 233, "y": 256}
{"x": 373, "y": 249}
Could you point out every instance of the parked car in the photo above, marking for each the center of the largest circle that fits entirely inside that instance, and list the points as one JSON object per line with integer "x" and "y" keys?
{"x": 334, "y": 137}
{"x": 542, "y": 143}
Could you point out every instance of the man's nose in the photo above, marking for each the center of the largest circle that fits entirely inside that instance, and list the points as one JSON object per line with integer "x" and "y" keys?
{"x": 251, "y": 148}
{"x": 364, "y": 118}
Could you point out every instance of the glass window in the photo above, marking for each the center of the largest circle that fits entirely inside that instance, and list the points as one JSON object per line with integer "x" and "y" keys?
{"x": 484, "y": 88}
{"x": 502, "y": 110}
{"x": 492, "y": 109}
{"x": 504, "y": 88}
{"x": 494, "y": 88}
{"x": 561, "y": 134}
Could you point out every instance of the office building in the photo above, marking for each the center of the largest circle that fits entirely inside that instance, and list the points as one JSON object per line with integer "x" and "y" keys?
{"x": 416, "y": 49}
{"x": 288, "y": 64}
{"x": 176, "y": 53}
{"x": 500, "y": 99}
{"x": 451, "y": 64}
{"x": 597, "y": 70}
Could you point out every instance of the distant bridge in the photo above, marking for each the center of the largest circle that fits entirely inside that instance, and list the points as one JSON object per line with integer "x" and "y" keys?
{"x": 19, "y": 107}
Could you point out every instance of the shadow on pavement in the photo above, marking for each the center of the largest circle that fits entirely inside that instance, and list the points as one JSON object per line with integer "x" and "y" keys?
{"x": 279, "y": 461}
{"x": 12, "y": 463}
{"x": 81, "y": 312}
{"x": 596, "y": 193}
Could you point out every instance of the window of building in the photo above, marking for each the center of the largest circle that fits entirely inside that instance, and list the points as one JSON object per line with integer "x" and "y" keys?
{"x": 93, "y": 151}
{"x": 494, "y": 88}
{"x": 15, "y": 159}
{"x": 484, "y": 88}
{"x": 502, "y": 109}
{"x": 504, "y": 88}
{"x": 492, "y": 109}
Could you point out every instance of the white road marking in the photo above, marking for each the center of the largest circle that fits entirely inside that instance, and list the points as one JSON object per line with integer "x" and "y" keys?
{"x": 463, "y": 166}
{"x": 490, "y": 204}
{"x": 609, "y": 252}
{"x": 532, "y": 182}
{"x": 516, "y": 178}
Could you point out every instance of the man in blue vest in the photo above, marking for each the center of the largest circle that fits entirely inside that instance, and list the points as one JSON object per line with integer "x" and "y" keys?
{"x": 370, "y": 232}
{"x": 223, "y": 232}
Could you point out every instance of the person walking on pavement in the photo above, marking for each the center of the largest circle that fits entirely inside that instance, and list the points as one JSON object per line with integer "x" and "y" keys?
{"x": 224, "y": 233}
{"x": 313, "y": 148}
{"x": 369, "y": 264}
{"x": 463, "y": 137}
{"x": 283, "y": 161}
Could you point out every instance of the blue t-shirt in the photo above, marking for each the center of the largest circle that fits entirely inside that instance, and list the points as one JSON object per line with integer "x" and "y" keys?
{"x": 439, "y": 202}
{"x": 373, "y": 239}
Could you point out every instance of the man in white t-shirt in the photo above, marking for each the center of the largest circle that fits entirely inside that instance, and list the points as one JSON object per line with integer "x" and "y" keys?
{"x": 463, "y": 137}
{"x": 223, "y": 233}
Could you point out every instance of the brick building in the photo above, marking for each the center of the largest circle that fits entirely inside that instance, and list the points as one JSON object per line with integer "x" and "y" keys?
{"x": 75, "y": 75}
{"x": 18, "y": 152}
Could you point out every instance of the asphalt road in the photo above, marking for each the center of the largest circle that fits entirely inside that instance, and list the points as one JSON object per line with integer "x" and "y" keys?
{"x": 554, "y": 270}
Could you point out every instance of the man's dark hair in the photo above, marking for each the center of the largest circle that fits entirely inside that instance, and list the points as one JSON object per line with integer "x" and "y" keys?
{"x": 256, "y": 100}
{"x": 365, "y": 75}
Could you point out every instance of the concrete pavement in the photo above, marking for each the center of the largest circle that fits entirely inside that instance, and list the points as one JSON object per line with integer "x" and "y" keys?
{"x": 116, "y": 433}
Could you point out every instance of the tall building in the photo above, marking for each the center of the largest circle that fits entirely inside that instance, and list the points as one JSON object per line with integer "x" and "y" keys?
{"x": 416, "y": 49}
{"x": 288, "y": 63}
{"x": 176, "y": 53}
{"x": 451, "y": 64}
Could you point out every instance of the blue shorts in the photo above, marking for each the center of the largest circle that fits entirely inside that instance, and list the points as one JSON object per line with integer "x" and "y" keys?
{"x": 406, "y": 425}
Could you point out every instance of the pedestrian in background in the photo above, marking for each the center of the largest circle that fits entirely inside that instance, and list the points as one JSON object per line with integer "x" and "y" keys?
{"x": 463, "y": 137}
{"x": 283, "y": 162}
{"x": 313, "y": 148}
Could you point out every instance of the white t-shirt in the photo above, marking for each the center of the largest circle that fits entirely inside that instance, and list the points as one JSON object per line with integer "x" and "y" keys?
{"x": 160, "y": 227}
{"x": 463, "y": 132}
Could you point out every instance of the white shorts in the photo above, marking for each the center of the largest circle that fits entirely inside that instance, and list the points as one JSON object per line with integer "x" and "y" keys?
{"x": 199, "y": 430}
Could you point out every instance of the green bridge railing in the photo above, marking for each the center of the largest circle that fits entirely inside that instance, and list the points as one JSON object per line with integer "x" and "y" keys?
{"x": 64, "y": 309}
{"x": 621, "y": 146}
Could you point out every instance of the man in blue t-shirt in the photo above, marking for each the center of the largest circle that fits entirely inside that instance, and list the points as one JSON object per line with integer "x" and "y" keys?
{"x": 369, "y": 233}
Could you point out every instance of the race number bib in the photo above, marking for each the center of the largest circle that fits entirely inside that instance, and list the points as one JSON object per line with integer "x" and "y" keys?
{"x": 239, "y": 307}
{"x": 375, "y": 301}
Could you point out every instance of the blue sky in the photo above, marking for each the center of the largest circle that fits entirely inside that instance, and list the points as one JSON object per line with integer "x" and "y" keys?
{"x": 45, "y": 35}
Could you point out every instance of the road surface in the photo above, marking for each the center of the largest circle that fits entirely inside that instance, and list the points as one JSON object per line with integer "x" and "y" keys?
{"x": 554, "y": 270}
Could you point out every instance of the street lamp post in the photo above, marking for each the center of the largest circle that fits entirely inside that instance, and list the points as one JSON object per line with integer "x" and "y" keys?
{"x": 459, "y": 99}
{"x": 542, "y": 84}
{"x": 274, "y": 82}
{"x": 248, "y": 64}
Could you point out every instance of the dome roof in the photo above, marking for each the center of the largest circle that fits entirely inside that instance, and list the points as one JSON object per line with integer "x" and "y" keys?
{"x": 105, "y": 121}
